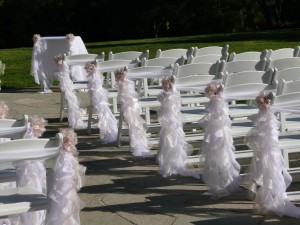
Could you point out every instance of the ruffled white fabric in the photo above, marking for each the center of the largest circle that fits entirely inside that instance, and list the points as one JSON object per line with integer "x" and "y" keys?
{"x": 33, "y": 173}
{"x": 220, "y": 169}
{"x": 45, "y": 48}
{"x": 68, "y": 178}
{"x": 4, "y": 186}
{"x": 172, "y": 145}
{"x": 37, "y": 69}
{"x": 66, "y": 85}
{"x": 107, "y": 122}
{"x": 128, "y": 97}
{"x": 267, "y": 178}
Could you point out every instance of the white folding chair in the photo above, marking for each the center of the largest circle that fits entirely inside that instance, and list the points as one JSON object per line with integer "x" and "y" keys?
{"x": 292, "y": 73}
{"x": 147, "y": 84}
{"x": 12, "y": 128}
{"x": 175, "y": 53}
{"x": 243, "y": 65}
{"x": 217, "y": 50}
{"x": 25, "y": 199}
{"x": 283, "y": 63}
{"x": 76, "y": 64}
{"x": 250, "y": 55}
{"x": 128, "y": 55}
{"x": 283, "y": 53}
{"x": 212, "y": 58}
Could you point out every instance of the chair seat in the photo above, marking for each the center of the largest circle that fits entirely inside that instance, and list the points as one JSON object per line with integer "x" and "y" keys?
{"x": 21, "y": 200}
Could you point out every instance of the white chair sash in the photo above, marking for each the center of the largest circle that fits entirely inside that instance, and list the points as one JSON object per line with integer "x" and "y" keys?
{"x": 128, "y": 97}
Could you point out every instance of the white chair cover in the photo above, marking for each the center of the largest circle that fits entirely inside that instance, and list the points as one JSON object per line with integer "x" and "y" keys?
{"x": 128, "y": 97}
{"x": 45, "y": 49}
{"x": 172, "y": 145}
{"x": 220, "y": 169}
{"x": 68, "y": 178}
{"x": 107, "y": 122}
{"x": 75, "y": 114}
{"x": 267, "y": 178}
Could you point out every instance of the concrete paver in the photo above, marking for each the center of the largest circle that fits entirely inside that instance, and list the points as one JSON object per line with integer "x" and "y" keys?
{"x": 122, "y": 189}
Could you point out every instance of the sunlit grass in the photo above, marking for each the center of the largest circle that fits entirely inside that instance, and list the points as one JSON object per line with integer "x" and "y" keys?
{"x": 18, "y": 61}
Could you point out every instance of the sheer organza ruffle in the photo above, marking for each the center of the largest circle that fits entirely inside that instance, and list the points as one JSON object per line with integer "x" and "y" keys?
{"x": 220, "y": 169}
{"x": 66, "y": 85}
{"x": 267, "y": 178}
{"x": 172, "y": 145}
{"x": 67, "y": 180}
{"x": 128, "y": 97}
{"x": 107, "y": 122}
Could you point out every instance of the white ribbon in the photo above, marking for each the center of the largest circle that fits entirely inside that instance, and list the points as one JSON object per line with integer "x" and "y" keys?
{"x": 172, "y": 145}
{"x": 66, "y": 86}
{"x": 68, "y": 177}
{"x": 220, "y": 169}
{"x": 107, "y": 122}
{"x": 128, "y": 97}
{"x": 267, "y": 176}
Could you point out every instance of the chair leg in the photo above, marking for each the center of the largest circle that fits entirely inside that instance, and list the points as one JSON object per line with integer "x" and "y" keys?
{"x": 120, "y": 126}
{"x": 61, "y": 112}
{"x": 90, "y": 115}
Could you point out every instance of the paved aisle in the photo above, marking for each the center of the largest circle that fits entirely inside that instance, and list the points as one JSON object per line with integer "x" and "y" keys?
{"x": 120, "y": 189}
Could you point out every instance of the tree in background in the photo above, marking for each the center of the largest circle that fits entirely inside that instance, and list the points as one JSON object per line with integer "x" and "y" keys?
{"x": 108, "y": 20}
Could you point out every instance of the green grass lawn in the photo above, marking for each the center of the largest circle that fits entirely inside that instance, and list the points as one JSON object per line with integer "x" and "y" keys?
{"x": 18, "y": 60}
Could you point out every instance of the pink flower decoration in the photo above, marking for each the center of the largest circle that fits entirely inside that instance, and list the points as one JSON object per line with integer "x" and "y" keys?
{"x": 263, "y": 100}
{"x": 36, "y": 38}
{"x": 167, "y": 83}
{"x": 120, "y": 74}
{"x": 3, "y": 110}
{"x": 90, "y": 67}
{"x": 38, "y": 125}
{"x": 213, "y": 89}
{"x": 69, "y": 140}
{"x": 70, "y": 38}
{"x": 59, "y": 59}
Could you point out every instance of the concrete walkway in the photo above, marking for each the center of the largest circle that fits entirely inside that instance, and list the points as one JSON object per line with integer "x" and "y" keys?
{"x": 124, "y": 190}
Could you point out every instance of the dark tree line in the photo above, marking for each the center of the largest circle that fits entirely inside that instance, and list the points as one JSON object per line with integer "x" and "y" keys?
{"x": 104, "y": 20}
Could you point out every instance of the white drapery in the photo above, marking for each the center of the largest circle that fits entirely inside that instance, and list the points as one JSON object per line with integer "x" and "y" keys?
{"x": 75, "y": 114}
{"x": 267, "y": 178}
{"x": 172, "y": 145}
{"x": 220, "y": 169}
{"x": 68, "y": 178}
{"x": 107, "y": 122}
{"x": 128, "y": 97}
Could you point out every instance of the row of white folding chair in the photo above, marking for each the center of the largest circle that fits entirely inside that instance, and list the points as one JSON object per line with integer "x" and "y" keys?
{"x": 289, "y": 142}
{"x": 104, "y": 67}
{"x": 151, "y": 86}
{"x": 235, "y": 84}
{"x": 283, "y": 63}
{"x": 23, "y": 199}
{"x": 267, "y": 53}
{"x": 175, "y": 53}
{"x": 243, "y": 65}
{"x": 212, "y": 50}
{"x": 283, "y": 53}
{"x": 250, "y": 55}
{"x": 13, "y": 128}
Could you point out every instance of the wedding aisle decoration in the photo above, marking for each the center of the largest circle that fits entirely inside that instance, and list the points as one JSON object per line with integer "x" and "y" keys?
{"x": 131, "y": 110}
{"x": 77, "y": 71}
{"x": 75, "y": 114}
{"x": 33, "y": 173}
{"x": 220, "y": 169}
{"x": 107, "y": 122}
{"x": 7, "y": 185}
{"x": 267, "y": 178}
{"x": 172, "y": 145}
{"x": 36, "y": 65}
{"x": 68, "y": 178}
